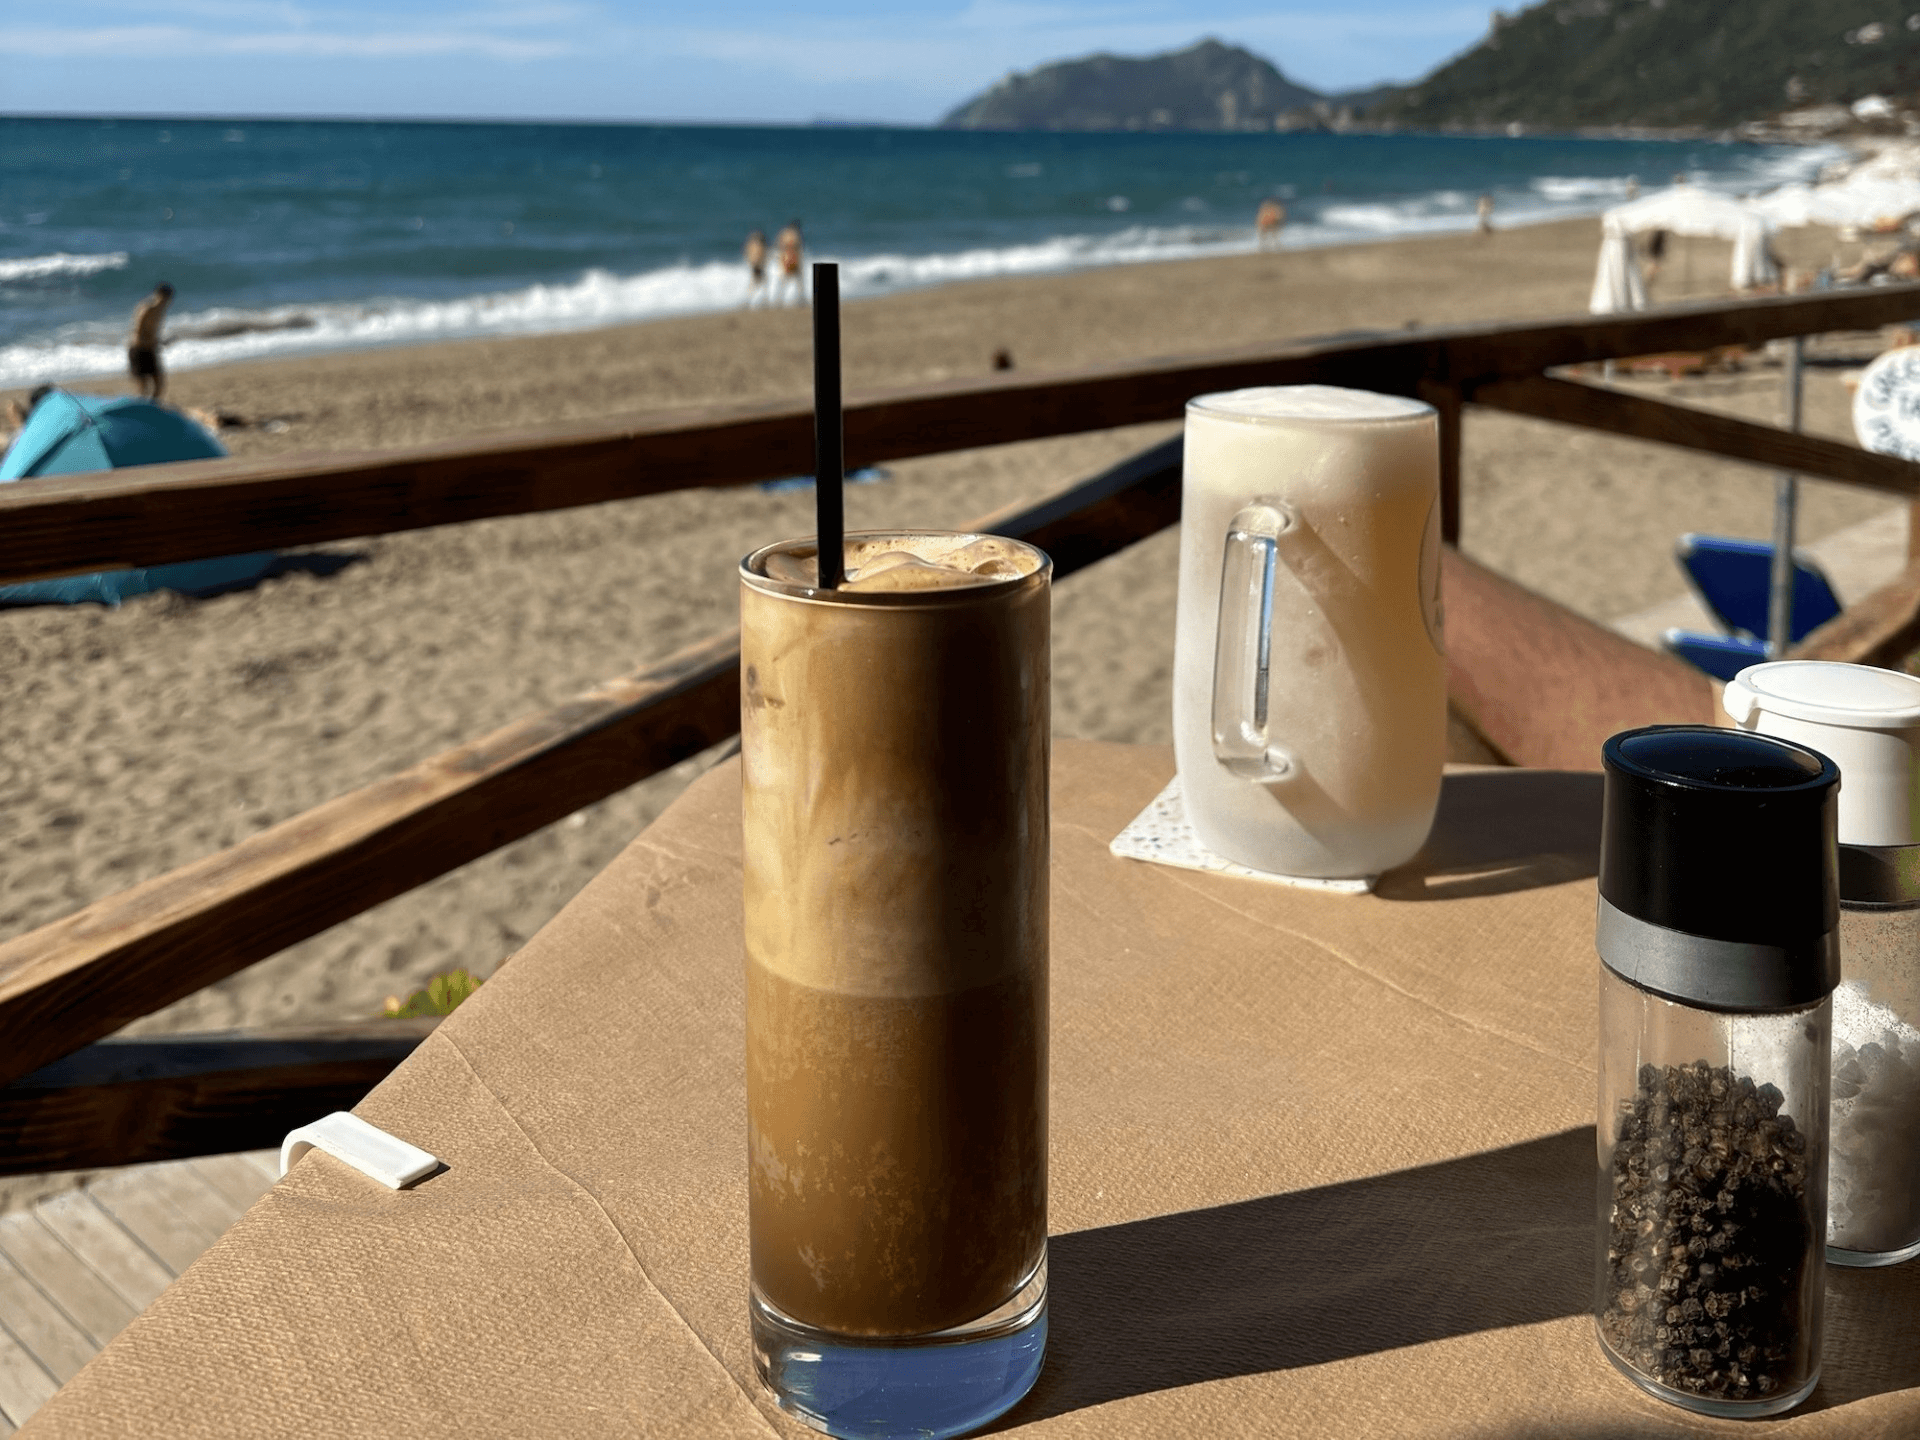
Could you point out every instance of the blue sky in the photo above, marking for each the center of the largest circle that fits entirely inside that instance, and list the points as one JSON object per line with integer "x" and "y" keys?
{"x": 642, "y": 59}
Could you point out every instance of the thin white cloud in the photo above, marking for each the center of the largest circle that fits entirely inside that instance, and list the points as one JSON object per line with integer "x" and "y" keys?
{"x": 50, "y": 40}
{"x": 557, "y": 13}
{"x": 508, "y": 30}
{"x": 261, "y": 14}
{"x": 753, "y": 58}
{"x": 850, "y": 57}
{"x": 397, "y": 46}
{"x": 146, "y": 41}
{"x": 1022, "y": 15}
{"x": 254, "y": 12}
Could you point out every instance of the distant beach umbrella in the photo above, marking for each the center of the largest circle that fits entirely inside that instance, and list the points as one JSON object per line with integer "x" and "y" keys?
{"x": 72, "y": 434}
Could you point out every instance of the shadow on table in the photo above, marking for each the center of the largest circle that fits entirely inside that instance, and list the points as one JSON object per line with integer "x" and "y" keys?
{"x": 1480, "y": 1243}
{"x": 1868, "y": 1350}
{"x": 1502, "y": 830}
{"x": 1869, "y": 1347}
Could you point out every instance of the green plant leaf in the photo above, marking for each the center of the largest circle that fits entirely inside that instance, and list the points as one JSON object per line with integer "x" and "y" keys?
{"x": 442, "y": 996}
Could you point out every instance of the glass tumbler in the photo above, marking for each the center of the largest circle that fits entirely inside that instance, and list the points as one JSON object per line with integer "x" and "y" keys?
{"x": 894, "y": 749}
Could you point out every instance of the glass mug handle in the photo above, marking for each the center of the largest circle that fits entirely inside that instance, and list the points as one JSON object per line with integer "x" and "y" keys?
{"x": 1243, "y": 645}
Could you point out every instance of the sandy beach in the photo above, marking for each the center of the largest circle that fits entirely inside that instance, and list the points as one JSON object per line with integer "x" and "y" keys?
{"x": 139, "y": 739}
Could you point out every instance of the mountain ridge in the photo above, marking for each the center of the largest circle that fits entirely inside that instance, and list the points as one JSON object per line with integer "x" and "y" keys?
{"x": 1571, "y": 64}
{"x": 1673, "y": 65}
{"x": 1207, "y": 86}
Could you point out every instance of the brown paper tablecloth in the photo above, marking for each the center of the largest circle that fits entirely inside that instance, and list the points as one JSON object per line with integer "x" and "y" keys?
{"x": 1322, "y": 1165}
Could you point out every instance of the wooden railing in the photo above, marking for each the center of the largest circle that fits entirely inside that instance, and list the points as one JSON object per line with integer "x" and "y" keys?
{"x": 162, "y": 513}
{"x": 72, "y": 983}
{"x": 77, "y": 980}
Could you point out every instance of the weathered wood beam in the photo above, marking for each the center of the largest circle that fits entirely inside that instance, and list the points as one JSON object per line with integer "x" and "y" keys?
{"x": 158, "y": 514}
{"x": 1102, "y": 516}
{"x": 1617, "y": 412}
{"x": 79, "y": 979}
{"x": 1474, "y": 353}
{"x": 121, "y": 1102}
{"x": 1882, "y": 628}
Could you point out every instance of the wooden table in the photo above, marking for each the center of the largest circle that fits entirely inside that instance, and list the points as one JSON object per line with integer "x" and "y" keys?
{"x": 1320, "y": 1165}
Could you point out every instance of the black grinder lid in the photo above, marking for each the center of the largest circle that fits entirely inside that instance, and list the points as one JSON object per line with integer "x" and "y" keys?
{"x": 1726, "y": 837}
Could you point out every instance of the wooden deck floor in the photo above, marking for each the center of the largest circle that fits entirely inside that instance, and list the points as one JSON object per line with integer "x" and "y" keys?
{"x": 77, "y": 1267}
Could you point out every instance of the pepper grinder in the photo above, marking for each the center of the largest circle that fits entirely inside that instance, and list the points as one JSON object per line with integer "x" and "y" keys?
{"x": 1717, "y": 935}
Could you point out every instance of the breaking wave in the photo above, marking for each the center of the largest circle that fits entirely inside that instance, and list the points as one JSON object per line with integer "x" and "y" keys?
{"x": 47, "y": 267}
{"x": 598, "y": 297}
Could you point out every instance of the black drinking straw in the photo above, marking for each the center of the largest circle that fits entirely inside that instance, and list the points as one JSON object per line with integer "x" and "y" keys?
{"x": 829, "y": 459}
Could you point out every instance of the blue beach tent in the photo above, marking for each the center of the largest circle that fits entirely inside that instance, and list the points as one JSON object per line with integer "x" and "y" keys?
{"x": 69, "y": 434}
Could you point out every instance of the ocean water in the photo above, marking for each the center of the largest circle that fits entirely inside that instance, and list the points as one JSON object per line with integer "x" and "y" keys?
{"x": 290, "y": 236}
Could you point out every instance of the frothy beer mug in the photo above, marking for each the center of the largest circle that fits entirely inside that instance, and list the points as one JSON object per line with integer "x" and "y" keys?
{"x": 1309, "y": 688}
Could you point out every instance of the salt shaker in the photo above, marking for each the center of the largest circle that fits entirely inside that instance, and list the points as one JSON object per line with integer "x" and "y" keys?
{"x": 1717, "y": 934}
{"x": 1868, "y": 722}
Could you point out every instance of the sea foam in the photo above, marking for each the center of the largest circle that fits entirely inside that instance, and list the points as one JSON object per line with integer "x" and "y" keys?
{"x": 598, "y": 297}
{"x": 46, "y": 267}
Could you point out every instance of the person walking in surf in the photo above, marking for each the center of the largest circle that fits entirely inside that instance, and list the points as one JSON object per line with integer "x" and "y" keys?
{"x": 143, "y": 342}
{"x": 788, "y": 246}
{"x": 1268, "y": 222}
{"x": 756, "y": 254}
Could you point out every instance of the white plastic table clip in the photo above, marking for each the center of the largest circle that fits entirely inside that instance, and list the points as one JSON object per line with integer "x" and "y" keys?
{"x": 369, "y": 1149}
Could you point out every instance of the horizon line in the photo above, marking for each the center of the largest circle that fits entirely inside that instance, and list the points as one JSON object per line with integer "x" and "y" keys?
{"x": 1674, "y": 135}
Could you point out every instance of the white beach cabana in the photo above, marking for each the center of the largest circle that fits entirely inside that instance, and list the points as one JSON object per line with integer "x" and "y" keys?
{"x": 1680, "y": 210}
{"x": 1617, "y": 285}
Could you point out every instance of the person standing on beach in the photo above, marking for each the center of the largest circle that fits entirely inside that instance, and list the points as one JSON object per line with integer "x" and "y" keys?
{"x": 789, "y": 246}
{"x": 1268, "y": 222}
{"x": 143, "y": 342}
{"x": 1483, "y": 214}
{"x": 1656, "y": 257}
{"x": 756, "y": 253}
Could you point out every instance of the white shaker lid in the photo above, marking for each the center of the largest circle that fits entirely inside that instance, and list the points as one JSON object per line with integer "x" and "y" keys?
{"x": 1866, "y": 720}
{"x": 1826, "y": 692}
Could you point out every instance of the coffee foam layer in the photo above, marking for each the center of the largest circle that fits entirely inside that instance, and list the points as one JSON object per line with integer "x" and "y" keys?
{"x": 1307, "y": 402}
{"x": 898, "y": 563}
{"x": 893, "y": 754}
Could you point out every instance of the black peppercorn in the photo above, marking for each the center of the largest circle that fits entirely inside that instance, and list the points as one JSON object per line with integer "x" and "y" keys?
{"x": 1725, "y": 1224}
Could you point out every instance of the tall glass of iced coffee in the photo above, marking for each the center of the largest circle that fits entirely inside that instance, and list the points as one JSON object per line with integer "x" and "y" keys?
{"x": 894, "y": 739}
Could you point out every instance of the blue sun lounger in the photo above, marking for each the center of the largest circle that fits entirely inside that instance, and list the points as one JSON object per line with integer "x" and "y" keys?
{"x": 1733, "y": 579}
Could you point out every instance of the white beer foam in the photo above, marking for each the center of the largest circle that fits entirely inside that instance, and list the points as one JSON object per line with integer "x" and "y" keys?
{"x": 1307, "y": 402}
